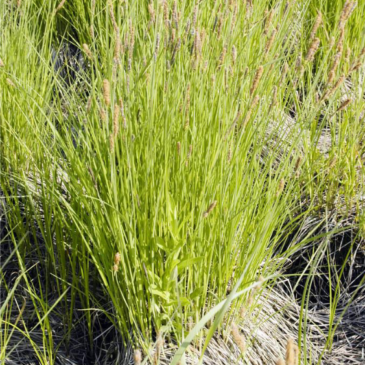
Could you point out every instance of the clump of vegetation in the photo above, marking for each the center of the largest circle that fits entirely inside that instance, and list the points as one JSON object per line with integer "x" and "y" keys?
{"x": 163, "y": 163}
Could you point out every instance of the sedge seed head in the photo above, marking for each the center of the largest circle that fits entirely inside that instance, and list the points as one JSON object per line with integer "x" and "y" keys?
{"x": 222, "y": 56}
{"x": 243, "y": 311}
{"x": 189, "y": 155}
{"x": 106, "y": 92}
{"x": 274, "y": 99}
{"x": 331, "y": 76}
{"x": 10, "y": 82}
{"x": 316, "y": 25}
{"x": 238, "y": 338}
{"x": 312, "y": 49}
{"x": 111, "y": 143}
{"x": 280, "y": 361}
{"x": 137, "y": 357}
{"x": 347, "y": 10}
{"x": 60, "y": 6}
{"x": 268, "y": 20}
{"x": 87, "y": 51}
{"x": 117, "y": 258}
{"x": 2, "y": 63}
{"x": 234, "y": 55}
{"x": 341, "y": 40}
{"x": 151, "y": 11}
{"x": 270, "y": 41}
{"x": 290, "y": 352}
{"x": 102, "y": 114}
{"x": 280, "y": 187}
{"x": 256, "y": 79}
{"x": 344, "y": 105}
{"x": 210, "y": 208}
{"x": 298, "y": 162}
{"x": 356, "y": 67}
{"x": 116, "y": 120}
{"x": 249, "y": 113}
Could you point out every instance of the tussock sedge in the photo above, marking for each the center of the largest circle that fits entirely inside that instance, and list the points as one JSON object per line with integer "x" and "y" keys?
{"x": 165, "y": 166}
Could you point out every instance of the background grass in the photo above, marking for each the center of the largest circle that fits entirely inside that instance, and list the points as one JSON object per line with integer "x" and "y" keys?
{"x": 193, "y": 141}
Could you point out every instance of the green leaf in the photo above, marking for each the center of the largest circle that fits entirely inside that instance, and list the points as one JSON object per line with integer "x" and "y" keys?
{"x": 163, "y": 294}
{"x": 189, "y": 262}
{"x": 196, "y": 293}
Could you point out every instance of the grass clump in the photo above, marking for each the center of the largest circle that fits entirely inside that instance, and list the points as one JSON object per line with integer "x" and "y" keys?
{"x": 156, "y": 159}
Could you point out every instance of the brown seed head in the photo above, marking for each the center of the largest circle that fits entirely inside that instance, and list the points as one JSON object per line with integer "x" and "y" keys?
{"x": 117, "y": 258}
{"x": 122, "y": 113}
{"x": 60, "y": 6}
{"x": 175, "y": 18}
{"x": 331, "y": 76}
{"x": 298, "y": 162}
{"x": 116, "y": 120}
{"x": 268, "y": 19}
{"x": 190, "y": 323}
{"x": 333, "y": 162}
{"x": 210, "y": 208}
{"x": 280, "y": 361}
{"x": 234, "y": 55}
{"x": 256, "y": 79}
{"x": 115, "y": 268}
{"x": 137, "y": 357}
{"x": 157, "y": 46}
{"x": 102, "y": 114}
{"x": 189, "y": 155}
{"x": 274, "y": 97}
{"x": 117, "y": 47}
{"x": 348, "y": 54}
{"x": 249, "y": 113}
{"x": 347, "y": 10}
{"x": 178, "y": 147}
{"x": 10, "y": 82}
{"x": 111, "y": 143}
{"x": 270, "y": 41}
{"x": 112, "y": 17}
{"x": 87, "y": 51}
{"x": 340, "y": 40}
{"x": 195, "y": 16}
{"x": 290, "y": 352}
{"x": 197, "y": 44}
{"x": 296, "y": 354}
{"x": 165, "y": 12}
{"x": 332, "y": 41}
{"x": 298, "y": 63}
{"x": 280, "y": 187}
{"x": 106, "y": 92}
{"x": 312, "y": 50}
{"x": 344, "y": 105}
{"x": 238, "y": 338}
{"x": 1, "y": 63}
{"x": 243, "y": 311}
{"x": 335, "y": 64}
{"x": 159, "y": 343}
{"x": 284, "y": 72}
{"x": 330, "y": 92}
{"x": 316, "y": 25}
{"x": 222, "y": 56}
{"x": 355, "y": 67}
{"x": 229, "y": 154}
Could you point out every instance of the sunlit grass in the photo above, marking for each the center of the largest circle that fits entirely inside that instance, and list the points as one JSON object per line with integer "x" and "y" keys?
{"x": 181, "y": 156}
